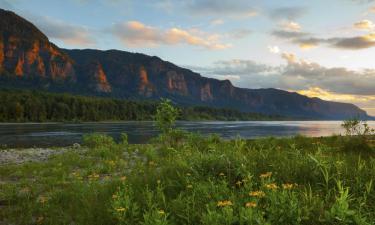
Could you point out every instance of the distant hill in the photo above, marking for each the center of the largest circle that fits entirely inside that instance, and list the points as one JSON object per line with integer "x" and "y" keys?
{"x": 29, "y": 60}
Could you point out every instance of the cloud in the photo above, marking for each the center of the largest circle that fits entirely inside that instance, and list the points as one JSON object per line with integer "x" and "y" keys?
{"x": 291, "y": 26}
{"x": 364, "y": 25}
{"x": 274, "y": 49}
{"x": 307, "y": 41}
{"x": 69, "y": 34}
{"x": 287, "y": 13}
{"x": 302, "y": 76}
{"x": 286, "y": 34}
{"x": 297, "y": 74}
{"x": 217, "y": 22}
{"x": 137, "y": 34}
{"x": 232, "y": 8}
{"x": 354, "y": 43}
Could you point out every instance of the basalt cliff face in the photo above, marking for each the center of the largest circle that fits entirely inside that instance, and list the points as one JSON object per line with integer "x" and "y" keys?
{"x": 29, "y": 60}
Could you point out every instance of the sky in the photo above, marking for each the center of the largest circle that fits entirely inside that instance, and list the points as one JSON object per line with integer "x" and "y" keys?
{"x": 320, "y": 48}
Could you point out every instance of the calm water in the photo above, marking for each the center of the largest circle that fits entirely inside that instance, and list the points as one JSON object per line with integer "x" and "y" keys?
{"x": 58, "y": 134}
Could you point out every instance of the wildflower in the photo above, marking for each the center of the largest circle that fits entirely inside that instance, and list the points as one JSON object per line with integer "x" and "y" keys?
{"x": 238, "y": 183}
{"x": 251, "y": 204}
{"x": 93, "y": 176}
{"x": 188, "y": 174}
{"x": 114, "y": 196}
{"x": 224, "y": 203}
{"x": 288, "y": 186}
{"x": 161, "y": 212}
{"x": 120, "y": 209}
{"x": 259, "y": 194}
{"x": 123, "y": 178}
{"x": 266, "y": 175}
{"x": 272, "y": 186}
{"x": 221, "y": 174}
{"x": 158, "y": 181}
{"x": 189, "y": 186}
{"x": 152, "y": 163}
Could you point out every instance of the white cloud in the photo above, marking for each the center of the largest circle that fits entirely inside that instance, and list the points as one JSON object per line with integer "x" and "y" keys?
{"x": 69, "y": 34}
{"x": 274, "y": 49}
{"x": 292, "y": 26}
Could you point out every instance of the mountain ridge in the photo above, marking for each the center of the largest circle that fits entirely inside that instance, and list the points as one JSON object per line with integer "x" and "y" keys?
{"x": 28, "y": 59}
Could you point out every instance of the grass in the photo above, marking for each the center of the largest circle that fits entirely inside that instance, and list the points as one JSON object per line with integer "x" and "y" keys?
{"x": 188, "y": 179}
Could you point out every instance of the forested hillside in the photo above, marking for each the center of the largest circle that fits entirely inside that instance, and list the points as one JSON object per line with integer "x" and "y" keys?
{"x": 34, "y": 106}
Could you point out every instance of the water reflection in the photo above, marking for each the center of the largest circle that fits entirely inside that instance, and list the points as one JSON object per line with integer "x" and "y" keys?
{"x": 57, "y": 134}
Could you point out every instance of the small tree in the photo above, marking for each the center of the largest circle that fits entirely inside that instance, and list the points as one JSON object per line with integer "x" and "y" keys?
{"x": 356, "y": 127}
{"x": 166, "y": 115}
{"x": 358, "y": 133}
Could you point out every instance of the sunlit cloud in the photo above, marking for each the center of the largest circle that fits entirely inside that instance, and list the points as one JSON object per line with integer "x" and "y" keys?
{"x": 137, "y": 34}
{"x": 364, "y": 25}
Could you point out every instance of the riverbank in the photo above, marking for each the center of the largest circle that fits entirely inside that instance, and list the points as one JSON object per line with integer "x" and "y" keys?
{"x": 190, "y": 179}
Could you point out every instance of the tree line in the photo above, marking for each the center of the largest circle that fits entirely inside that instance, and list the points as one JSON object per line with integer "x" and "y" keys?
{"x": 37, "y": 106}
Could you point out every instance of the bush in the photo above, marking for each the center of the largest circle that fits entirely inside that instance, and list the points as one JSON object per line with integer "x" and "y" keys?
{"x": 98, "y": 140}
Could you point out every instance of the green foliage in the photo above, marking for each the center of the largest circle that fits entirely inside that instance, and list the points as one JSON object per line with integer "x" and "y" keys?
{"x": 201, "y": 180}
{"x": 166, "y": 115}
{"x": 35, "y": 106}
{"x": 358, "y": 133}
{"x": 97, "y": 140}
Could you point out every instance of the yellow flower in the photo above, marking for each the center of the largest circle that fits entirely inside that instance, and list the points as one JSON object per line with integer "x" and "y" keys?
{"x": 93, "y": 176}
{"x": 114, "y": 196}
{"x": 272, "y": 186}
{"x": 224, "y": 203}
{"x": 120, "y": 209}
{"x": 123, "y": 178}
{"x": 259, "y": 194}
{"x": 221, "y": 174}
{"x": 266, "y": 175}
{"x": 288, "y": 186}
{"x": 189, "y": 186}
{"x": 158, "y": 181}
{"x": 161, "y": 212}
{"x": 188, "y": 174}
{"x": 251, "y": 204}
{"x": 238, "y": 183}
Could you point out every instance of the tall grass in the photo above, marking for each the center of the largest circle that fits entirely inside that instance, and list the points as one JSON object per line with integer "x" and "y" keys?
{"x": 195, "y": 180}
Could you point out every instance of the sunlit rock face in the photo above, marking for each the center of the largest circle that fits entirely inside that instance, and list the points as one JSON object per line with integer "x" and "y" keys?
{"x": 26, "y": 52}
{"x": 28, "y": 59}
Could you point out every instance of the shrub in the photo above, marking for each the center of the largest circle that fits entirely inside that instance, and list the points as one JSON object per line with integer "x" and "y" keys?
{"x": 98, "y": 140}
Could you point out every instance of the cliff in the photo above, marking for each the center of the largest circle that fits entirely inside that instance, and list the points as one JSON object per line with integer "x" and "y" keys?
{"x": 29, "y": 60}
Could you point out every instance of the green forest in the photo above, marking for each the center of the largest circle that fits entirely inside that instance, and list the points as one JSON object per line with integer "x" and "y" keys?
{"x": 36, "y": 106}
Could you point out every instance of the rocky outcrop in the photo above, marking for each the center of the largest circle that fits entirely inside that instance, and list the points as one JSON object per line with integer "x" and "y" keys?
{"x": 26, "y": 53}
